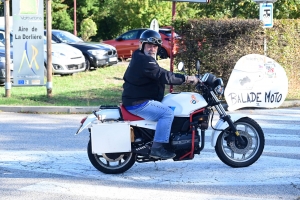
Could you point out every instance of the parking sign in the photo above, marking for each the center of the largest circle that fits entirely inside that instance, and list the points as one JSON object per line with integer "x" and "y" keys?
{"x": 266, "y": 14}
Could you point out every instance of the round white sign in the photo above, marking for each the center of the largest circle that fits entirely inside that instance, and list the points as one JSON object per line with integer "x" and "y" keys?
{"x": 154, "y": 25}
{"x": 256, "y": 81}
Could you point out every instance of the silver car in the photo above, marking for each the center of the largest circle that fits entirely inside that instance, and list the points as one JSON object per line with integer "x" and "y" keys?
{"x": 96, "y": 54}
{"x": 2, "y": 64}
{"x": 65, "y": 58}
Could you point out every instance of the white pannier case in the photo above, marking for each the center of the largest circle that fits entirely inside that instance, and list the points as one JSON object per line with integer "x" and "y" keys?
{"x": 110, "y": 137}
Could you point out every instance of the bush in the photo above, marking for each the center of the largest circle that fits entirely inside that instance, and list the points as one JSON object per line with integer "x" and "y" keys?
{"x": 219, "y": 44}
{"x": 284, "y": 47}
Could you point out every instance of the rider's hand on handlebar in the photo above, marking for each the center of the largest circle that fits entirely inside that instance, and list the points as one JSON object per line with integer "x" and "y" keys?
{"x": 191, "y": 80}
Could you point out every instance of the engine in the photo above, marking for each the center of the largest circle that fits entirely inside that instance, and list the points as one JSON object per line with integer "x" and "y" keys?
{"x": 183, "y": 141}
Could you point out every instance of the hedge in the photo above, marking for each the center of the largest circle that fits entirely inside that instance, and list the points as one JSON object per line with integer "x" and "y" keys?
{"x": 219, "y": 44}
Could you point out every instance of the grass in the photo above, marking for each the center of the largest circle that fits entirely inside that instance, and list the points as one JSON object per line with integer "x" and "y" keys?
{"x": 93, "y": 88}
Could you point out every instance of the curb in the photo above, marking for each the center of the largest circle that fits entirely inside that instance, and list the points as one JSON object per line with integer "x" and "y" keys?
{"x": 292, "y": 103}
{"x": 49, "y": 109}
{"x": 89, "y": 109}
{"x": 285, "y": 104}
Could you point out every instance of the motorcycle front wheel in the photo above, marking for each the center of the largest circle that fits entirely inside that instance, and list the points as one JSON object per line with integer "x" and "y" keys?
{"x": 235, "y": 155}
{"x": 111, "y": 163}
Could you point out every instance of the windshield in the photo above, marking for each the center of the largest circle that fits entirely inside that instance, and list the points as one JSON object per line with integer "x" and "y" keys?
{"x": 168, "y": 33}
{"x": 67, "y": 37}
{"x": 45, "y": 40}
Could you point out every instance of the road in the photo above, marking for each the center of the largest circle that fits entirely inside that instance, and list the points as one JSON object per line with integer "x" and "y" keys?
{"x": 41, "y": 158}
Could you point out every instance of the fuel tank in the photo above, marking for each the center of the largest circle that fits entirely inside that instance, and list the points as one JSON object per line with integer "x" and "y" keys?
{"x": 184, "y": 103}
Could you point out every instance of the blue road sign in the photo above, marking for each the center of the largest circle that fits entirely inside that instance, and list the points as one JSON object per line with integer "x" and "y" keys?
{"x": 266, "y": 14}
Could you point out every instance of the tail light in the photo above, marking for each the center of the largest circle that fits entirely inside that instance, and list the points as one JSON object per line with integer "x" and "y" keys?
{"x": 83, "y": 120}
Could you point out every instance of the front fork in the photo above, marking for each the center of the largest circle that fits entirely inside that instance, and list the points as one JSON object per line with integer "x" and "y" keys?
{"x": 234, "y": 132}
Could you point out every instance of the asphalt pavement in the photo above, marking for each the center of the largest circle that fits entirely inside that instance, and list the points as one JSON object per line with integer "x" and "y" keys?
{"x": 89, "y": 109}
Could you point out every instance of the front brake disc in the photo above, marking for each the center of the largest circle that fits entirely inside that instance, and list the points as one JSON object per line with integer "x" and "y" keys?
{"x": 242, "y": 149}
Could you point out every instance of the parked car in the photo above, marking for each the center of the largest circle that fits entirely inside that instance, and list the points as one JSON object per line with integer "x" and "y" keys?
{"x": 128, "y": 42}
{"x": 96, "y": 54}
{"x": 2, "y": 64}
{"x": 65, "y": 58}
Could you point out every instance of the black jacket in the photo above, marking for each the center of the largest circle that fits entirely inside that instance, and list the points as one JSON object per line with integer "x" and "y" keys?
{"x": 145, "y": 79}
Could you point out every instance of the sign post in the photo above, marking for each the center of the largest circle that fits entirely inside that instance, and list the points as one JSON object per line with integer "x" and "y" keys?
{"x": 28, "y": 35}
{"x": 266, "y": 16}
{"x": 257, "y": 80}
{"x": 7, "y": 49}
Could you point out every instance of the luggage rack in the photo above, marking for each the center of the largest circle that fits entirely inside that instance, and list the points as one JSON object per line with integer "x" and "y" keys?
{"x": 109, "y": 107}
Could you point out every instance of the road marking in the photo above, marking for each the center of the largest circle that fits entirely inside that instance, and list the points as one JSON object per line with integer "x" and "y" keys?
{"x": 205, "y": 169}
{"x": 111, "y": 192}
{"x": 267, "y": 149}
{"x": 270, "y": 136}
{"x": 280, "y": 117}
{"x": 265, "y": 125}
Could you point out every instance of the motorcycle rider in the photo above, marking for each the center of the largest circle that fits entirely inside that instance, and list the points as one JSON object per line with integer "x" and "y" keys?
{"x": 143, "y": 90}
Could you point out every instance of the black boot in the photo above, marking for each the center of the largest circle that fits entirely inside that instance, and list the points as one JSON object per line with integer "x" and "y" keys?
{"x": 162, "y": 153}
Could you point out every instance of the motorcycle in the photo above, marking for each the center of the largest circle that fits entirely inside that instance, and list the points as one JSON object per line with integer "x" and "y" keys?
{"x": 118, "y": 138}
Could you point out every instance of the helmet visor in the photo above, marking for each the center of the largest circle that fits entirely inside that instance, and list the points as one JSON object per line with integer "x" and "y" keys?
{"x": 154, "y": 40}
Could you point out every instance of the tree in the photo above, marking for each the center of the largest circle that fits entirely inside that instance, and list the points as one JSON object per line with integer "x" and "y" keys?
{"x": 88, "y": 28}
{"x": 129, "y": 14}
{"x": 114, "y": 17}
{"x": 84, "y": 9}
{"x": 287, "y": 9}
{"x": 218, "y": 9}
{"x": 60, "y": 17}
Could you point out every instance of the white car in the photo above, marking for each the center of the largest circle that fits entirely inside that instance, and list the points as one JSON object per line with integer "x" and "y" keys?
{"x": 65, "y": 58}
{"x": 2, "y": 64}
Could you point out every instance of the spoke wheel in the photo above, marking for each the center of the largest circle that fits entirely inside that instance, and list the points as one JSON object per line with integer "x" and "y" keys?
{"x": 111, "y": 163}
{"x": 236, "y": 155}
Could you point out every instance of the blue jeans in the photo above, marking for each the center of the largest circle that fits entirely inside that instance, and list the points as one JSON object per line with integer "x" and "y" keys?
{"x": 156, "y": 111}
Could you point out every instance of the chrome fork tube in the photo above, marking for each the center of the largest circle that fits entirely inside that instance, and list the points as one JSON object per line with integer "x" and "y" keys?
{"x": 218, "y": 107}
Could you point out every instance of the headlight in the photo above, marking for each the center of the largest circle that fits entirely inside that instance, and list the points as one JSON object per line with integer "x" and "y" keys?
{"x": 97, "y": 52}
{"x": 219, "y": 89}
{"x": 219, "y": 86}
{"x": 57, "y": 54}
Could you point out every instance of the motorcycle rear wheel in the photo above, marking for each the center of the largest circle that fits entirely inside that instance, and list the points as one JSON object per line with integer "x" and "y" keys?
{"x": 111, "y": 163}
{"x": 235, "y": 156}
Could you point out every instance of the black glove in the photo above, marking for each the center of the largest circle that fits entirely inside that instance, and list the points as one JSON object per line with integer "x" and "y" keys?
{"x": 191, "y": 80}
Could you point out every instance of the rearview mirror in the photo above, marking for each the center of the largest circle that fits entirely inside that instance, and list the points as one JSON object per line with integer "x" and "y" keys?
{"x": 180, "y": 66}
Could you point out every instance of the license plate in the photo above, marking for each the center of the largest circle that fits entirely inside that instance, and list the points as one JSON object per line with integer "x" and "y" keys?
{"x": 112, "y": 59}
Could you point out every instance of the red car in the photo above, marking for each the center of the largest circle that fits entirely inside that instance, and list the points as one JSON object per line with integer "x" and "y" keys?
{"x": 128, "y": 42}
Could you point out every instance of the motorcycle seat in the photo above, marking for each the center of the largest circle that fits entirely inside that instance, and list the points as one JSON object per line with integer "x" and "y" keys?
{"x": 127, "y": 116}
